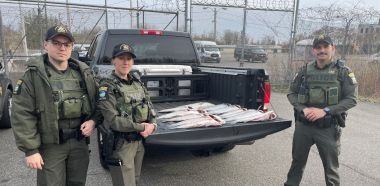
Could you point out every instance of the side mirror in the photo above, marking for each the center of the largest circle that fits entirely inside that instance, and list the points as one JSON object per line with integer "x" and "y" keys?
{"x": 106, "y": 60}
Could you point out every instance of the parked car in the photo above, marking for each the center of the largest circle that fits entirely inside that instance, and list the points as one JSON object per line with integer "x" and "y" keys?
{"x": 251, "y": 53}
{"x": 207, "y": 51}
{"x": 82, "y": 50}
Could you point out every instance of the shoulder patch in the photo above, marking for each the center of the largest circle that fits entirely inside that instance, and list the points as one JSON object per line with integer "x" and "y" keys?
{"x": 17, "y": 89}
{"x": 103, "y": 93}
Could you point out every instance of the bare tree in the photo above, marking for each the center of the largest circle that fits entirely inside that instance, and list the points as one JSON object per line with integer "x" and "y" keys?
{"x": 340, "y": 21}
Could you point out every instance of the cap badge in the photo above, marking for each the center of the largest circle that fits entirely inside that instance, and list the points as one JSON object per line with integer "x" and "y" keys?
{"x": 124, "y": 47}
{"x": 60, "y": 29}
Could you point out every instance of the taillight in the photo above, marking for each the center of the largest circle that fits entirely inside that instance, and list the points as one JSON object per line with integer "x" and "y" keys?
{"x": 267, "y": 90}
{"x": 151, "y": 32}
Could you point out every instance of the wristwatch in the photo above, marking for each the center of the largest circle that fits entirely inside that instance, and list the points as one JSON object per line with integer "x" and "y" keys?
{"x": 327, "y": 110}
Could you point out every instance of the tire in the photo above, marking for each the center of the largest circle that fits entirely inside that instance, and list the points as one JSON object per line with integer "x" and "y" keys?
{"x": 101, "y": 155}
{"x": 5, "y": 121}
{"x": 223, "y": 149}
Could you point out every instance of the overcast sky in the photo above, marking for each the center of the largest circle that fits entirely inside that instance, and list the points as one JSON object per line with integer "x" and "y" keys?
{"x": 259, "y": 23}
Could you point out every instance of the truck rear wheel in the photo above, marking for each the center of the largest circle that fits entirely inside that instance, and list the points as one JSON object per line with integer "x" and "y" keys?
{"x": 101, "y": 154}
{"x": 5, "y": 121}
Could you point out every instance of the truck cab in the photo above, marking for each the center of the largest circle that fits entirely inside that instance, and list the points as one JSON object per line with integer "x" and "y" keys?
{"x": 208, "y": 51}
{"x": 6, "y": 89}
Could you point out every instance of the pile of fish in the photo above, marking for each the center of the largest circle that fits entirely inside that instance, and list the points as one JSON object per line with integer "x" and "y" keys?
{"x": 204, "y": 114}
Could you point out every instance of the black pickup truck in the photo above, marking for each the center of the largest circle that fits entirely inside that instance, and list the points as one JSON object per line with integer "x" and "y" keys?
{"x": 248, "y": 88}
{"x": 5, "y": 99}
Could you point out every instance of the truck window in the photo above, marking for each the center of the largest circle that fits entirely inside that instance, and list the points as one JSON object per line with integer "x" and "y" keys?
{"x": 151, "y": 49}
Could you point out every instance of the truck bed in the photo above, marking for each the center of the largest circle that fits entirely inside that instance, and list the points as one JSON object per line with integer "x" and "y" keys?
{"x": 211, "y": 136}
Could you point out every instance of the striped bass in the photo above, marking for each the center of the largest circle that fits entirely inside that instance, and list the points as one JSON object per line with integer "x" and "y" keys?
{"x": 230, "y": 108}
{"x": 206, "y": 121}
{"x": 178, "y": 113}
{"x": 183, "y": 118}
{"x": 269, "y": 115}
{"x": 216, "y": 107}
{"x": 194, "y": 106}
{"x": 247, "y": 113}
{"x": 233, "y": 113}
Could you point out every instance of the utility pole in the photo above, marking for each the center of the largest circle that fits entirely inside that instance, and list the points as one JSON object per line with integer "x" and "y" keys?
{"x": 22, "y": 26}
{"x": 138, "y": 15}
{"x": 294, "y": 29}
{"x": 243, "y": 34}
{"x": 68, "y": 15}
{"x": 131, "y": 12}
{"x": 187, "y": 15}
{"x": 215, "y": 24}
{"x": 2, "y": 41}
{"x": 105, "y": 6}
{"x": 46, "y": 19}
{"x": 39, "y": 10}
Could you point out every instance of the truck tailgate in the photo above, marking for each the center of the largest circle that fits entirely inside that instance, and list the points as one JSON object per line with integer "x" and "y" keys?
{"x": 212, "y": 136}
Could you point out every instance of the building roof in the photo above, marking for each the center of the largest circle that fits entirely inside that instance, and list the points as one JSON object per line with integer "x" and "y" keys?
{"x": 305, "y": 42}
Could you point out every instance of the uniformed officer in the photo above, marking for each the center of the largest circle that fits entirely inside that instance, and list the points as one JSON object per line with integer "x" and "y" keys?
{"x": 53, "y": 112}
{"x": 321, "y": 93}
{"x": 128, "y": 111}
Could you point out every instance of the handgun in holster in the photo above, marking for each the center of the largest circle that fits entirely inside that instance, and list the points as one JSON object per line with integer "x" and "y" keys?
{"x": 109, "y": 143}
{"x": 341, "y": 119}
{"x": 114, "y": 165}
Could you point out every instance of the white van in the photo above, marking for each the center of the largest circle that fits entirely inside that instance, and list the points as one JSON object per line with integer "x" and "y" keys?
{"x": 208, "y": 52}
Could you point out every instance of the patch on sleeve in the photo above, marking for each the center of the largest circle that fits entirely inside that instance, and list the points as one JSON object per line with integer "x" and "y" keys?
{"x": 352, "y": 77}
{"x": 17, "y": 89}
{"x": 103, "y": 93}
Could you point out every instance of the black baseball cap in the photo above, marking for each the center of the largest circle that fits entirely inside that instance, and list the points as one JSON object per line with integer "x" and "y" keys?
{"x": 322, "y": 39}
{"x": 121, "y": 49}
{"x": 58, "y": 30}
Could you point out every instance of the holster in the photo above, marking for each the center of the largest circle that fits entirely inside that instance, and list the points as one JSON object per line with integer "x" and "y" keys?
{"x": 66, "y": 134}
{"x": 341, "y": 119}
{"x": 108, "y": 141}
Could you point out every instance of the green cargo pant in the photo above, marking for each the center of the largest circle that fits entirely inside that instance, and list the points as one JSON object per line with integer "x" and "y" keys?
{"x": 328, "y": 145}
{"x": 65, "y": 164}
{"x": 132, "y": 155}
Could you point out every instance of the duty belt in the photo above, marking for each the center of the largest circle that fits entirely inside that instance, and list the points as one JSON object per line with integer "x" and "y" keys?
{"x": 325, "y": 122}
{"x": 128, "y": 136}
{"x": 69, "y": 123}
{"x": 66, "y": 134}
{"x": 69, "y": 129}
